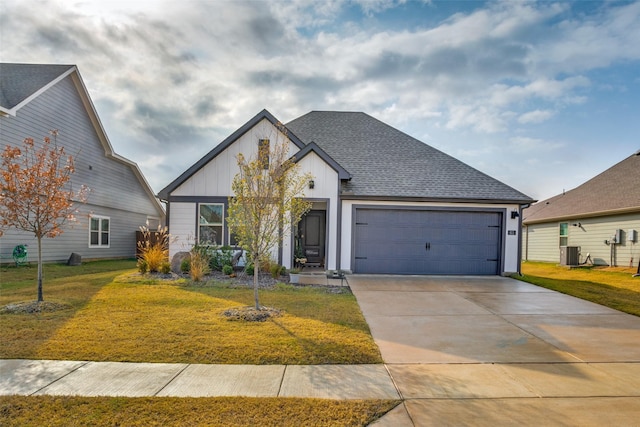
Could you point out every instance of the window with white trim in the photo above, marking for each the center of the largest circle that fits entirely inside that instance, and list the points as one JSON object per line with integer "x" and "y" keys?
{"x": 210, "y": 224}
{"x": 99, "y": 231}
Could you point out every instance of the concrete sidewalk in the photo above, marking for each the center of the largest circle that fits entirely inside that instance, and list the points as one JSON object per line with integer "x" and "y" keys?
{"x": 41, "y": 377}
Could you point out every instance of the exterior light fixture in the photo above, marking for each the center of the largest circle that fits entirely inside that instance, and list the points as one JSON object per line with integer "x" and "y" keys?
{"x": 514, "y": 214}
{"x": 311, "y": 184}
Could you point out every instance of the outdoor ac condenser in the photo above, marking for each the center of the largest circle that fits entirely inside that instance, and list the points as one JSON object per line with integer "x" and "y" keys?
{"x": 569, "y": 255}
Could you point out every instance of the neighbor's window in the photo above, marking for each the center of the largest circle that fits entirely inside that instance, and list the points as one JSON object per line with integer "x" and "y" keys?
{"x": 210, "y": 223}
{"x": 564, "y": 233}
{"x": 99, "y": 231}
{"x": 263, "y": 152}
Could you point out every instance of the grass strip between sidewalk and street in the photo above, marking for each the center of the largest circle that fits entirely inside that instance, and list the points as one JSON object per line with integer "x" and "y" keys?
{"x": 167, "y": 411}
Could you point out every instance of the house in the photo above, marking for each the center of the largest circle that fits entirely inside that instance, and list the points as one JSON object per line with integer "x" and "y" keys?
{"x": 383, "y": 202}
{"x": 35, "y": 99}
{"x": 599, "y": 219}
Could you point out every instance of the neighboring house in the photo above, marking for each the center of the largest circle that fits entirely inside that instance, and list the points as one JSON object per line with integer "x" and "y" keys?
{"x": 383, "y": 202}
{"x": 600, "y": 218}
{"x": 35, "y": 99}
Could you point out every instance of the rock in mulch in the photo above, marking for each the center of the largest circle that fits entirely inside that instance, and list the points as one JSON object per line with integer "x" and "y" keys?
{"x": 32, "y": 307}
{"x": 251, "y": 314}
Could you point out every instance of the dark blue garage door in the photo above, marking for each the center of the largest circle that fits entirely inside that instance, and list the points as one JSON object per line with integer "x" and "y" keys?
{"x": 392, "y": 241}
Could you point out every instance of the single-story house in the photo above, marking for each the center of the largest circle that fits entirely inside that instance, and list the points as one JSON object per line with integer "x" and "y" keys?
{"x": 383, "y": 201}
{"x": 599, "y": 220}
{"x": 35, "y": 99}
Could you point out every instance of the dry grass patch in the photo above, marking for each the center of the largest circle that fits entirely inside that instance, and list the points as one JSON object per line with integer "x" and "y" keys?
{"x": 612, "y": 287}
{"x": 139, "y": 319}
{"x": 115, "y": 411}
{"x": 183, "y": 324}
{"x": 68, "y": 288}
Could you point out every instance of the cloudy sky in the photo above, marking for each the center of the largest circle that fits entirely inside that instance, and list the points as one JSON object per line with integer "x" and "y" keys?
{"x": 540, "y": 95}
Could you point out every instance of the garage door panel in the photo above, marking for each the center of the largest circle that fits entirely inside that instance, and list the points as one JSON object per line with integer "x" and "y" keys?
{"x": 427, "y": 242}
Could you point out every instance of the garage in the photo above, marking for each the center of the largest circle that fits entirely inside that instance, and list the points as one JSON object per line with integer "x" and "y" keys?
{"x": 406, "y": 241}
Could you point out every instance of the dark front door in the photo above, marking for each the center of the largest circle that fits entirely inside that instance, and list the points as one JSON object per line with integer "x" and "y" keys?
{"x": 311, "y": 233}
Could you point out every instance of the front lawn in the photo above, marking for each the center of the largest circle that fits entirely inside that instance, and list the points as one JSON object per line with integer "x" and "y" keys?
{"x": 119, "y": 316}
{"x": 612, "y": 287}
{"x": 168, "y": 411}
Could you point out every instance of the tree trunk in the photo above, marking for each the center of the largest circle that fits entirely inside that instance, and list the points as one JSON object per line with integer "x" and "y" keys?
{"x": 256, "y": 281}
{"x": 40, "y": 297}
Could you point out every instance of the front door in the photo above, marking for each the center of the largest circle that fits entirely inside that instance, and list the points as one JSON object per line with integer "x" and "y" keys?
{"x": 311, "y": 237}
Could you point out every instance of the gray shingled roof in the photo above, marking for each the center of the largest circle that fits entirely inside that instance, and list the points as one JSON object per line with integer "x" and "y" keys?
{"x": 19, "y": 81}
{"x": 615, "y": 190}
{"x": 385, "y": 162}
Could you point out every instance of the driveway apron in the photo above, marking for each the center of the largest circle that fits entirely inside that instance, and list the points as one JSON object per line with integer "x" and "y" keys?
{"x": 497, "y": 351}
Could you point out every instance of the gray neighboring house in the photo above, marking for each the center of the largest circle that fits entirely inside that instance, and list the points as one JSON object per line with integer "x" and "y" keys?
{"x": 383, "y": 202}
{"x": 600, "y": 218}
{"x": 35, "y": 99}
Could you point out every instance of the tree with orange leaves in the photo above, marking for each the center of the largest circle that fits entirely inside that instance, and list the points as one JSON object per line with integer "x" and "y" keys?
{"x": 35, "y": 191}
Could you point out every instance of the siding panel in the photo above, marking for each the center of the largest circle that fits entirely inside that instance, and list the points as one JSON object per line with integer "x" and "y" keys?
{"x": 115, "y": 189}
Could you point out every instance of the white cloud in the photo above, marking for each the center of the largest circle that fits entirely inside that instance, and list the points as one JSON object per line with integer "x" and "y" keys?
{"x": 535, "y": 116}
{"x": 168, "y": 74}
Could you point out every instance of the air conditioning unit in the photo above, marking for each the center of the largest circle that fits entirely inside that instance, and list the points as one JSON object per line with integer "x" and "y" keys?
{"x": 569, "y": 255}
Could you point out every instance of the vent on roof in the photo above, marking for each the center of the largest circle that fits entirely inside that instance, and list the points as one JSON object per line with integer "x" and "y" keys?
{"x": 638, "y": 153}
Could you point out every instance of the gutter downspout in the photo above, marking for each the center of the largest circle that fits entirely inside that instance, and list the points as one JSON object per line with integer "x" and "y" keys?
{"x": 522, "y": 207}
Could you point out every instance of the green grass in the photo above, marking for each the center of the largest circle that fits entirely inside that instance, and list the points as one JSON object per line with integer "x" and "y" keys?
{"x": 612, "y": 287}
{"x": 156, "y": 411}
{"x": 119, "y": 316}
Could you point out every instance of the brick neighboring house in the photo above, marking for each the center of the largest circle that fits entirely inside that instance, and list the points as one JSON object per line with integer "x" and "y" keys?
{"x": 600, "y": 218}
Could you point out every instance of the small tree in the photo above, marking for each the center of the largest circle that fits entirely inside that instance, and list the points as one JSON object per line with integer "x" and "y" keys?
{"x": 267, "y": 202}
{"x": 35, "y": 192}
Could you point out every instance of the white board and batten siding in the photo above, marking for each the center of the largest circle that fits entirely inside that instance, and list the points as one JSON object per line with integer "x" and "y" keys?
{"x": 215, "y": 178}
{"x": 324, "y": 192}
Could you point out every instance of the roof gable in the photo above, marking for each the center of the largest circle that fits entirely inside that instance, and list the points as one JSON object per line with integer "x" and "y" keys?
{"x": 616, "y": 190}
{"x": 264, "y": 114}
{"x": 387, "y": 163}
{"x": 312, "y": 147}
{"x": 22, "y": 83}
{"x": 19, "y": 83}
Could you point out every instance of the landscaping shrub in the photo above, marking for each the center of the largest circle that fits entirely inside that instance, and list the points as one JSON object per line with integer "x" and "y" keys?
{"x": 165, "y": 268}
{"x": 185, "y": 265}
{"x": 199, "y": 265}
{"x": 143, "y": 266}
{"x": 249, "y": 269}
{"x": 227, "y": 269}
{"x": 220, "y": 256}
{"x": 276, "y": 270}
{"x": 154, "y": 248}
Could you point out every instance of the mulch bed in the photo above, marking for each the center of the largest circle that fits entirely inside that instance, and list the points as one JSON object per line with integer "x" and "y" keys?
{"x": 33, "y": 307}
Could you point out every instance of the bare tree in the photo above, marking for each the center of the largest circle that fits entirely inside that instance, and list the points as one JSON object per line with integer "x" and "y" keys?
{"x": 268, "y": 200}
{"x": 35, "y": 191}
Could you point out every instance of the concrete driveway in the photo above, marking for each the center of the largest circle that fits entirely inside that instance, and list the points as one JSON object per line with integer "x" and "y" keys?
{"x": 495, "y": 351}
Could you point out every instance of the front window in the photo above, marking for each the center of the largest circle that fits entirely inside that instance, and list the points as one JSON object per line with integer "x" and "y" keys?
{"x": 210, "y": 224}
{"x": 99, "y": 232}
{"x": 564, "y": 233}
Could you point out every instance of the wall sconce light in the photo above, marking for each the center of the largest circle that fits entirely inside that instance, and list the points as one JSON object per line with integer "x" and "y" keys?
{"x": 577, "y": 225}
{"x": 311, "y": 184}
{"x": 514, "y": 214}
